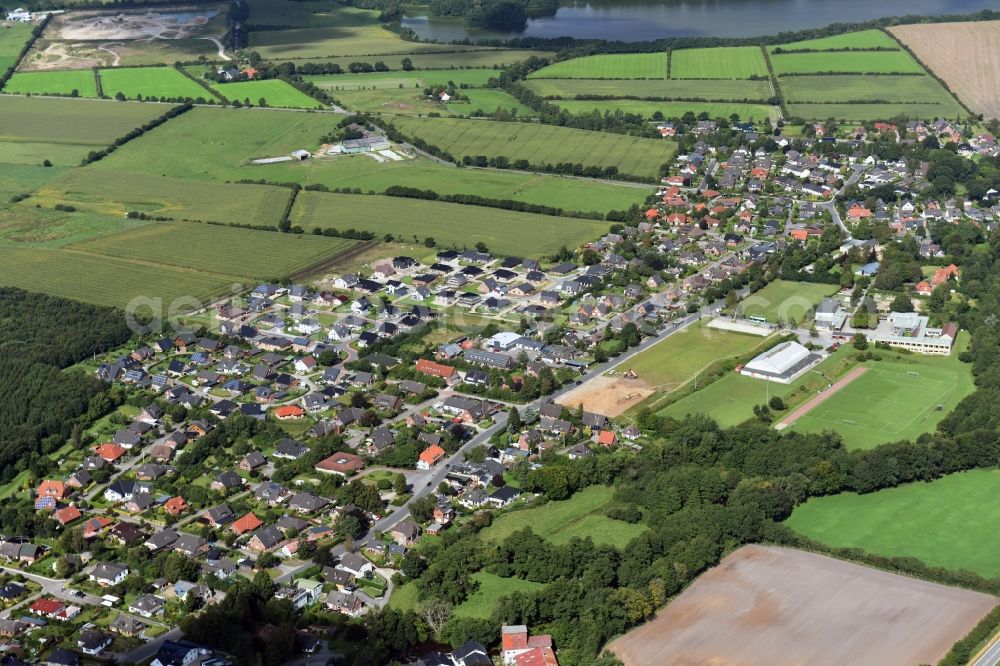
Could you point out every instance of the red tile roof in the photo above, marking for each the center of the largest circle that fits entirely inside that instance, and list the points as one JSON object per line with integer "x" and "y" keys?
{"x": 247, "y": 523}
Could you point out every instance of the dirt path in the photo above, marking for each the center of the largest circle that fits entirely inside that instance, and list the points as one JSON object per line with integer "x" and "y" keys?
{"x": 812, "y": 403}
{"x": 218, "y": 44}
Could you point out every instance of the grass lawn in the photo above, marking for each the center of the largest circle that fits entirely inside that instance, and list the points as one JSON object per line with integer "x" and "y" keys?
{"x": 612, "y": 66}
{"x": 163, "y": 82}
{"x": 13, "y": 37}
{"x": 864, "y": 39}
{"x": 897, "y": 398}
{"x": 852, "y": 62}
{"x": 930, "y": 521}
{"x": 275, "y": 92}
{"x": 57, "y": 83}
{"x": 783, "y": 300}
{"x": 671, "y": 109}
{"x": 666, "y": 89}
{"x": 504, "y": 232}
{"x": 247, "y": 253}
{"x": 724, "y": 62}
{"x": 582, "y": 515}
{"x": 405, "y": 597}
{"x": 886, "y": 87}
{"x": 541, "y": 144}
{"x": 480, "y": 603}
{"x": 672, "y": 362}
{"x": 91, "y": 190}
{"x": 488, "y": 100}
{"x": 395, "y": 101}
{"x": 418, "y": 78}
{"x": 859, "y": 112}
{"x": 731, "y": 399}
{"x": 24, "y": 225}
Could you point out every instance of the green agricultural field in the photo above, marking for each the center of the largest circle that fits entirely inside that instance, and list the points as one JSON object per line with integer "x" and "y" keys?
{"x": 163, "y": 82}
{"x": 24, "y": 225}
{"x": 504, "y": 232}
{"x": 488, "y": 100}
{"x": 13, "y": 37}
{"x": 416, "y": 79}
{"x": 481, "y": 58}
{"x": 275, "y": 92}
{"x": 900, "y": 397}
{"x": 34, "y": 153}
{"x": 849, "y": 62}
{"x": 731, "y": 399}
{"x": 784, "y": 301}
{"x": 859, "y": 112}
{"x": 666, "y": 89}
{"x": 91, "y": 190}
{"x": 882, "y": 88}
{"x": 481, "y": 603}
{"x": 53, "y": 83}
{"x": 357, "y": 40}
{"x": 670, "y": 363}
{"x": 865, "y": 39}
{"x": 308, "y": 14}
{"x": 671, "y": 109}
{"x": 104, "y": 280}
{"x": 23, "y": 178}
{"x": 582, "y": 515}
{"x": 249, "y": 254}
{"x": 217, "y": 144}
{"x": 728, "y": 62}
{"x": 930, "y": 521}
{"x": 69, "y": 121}
{"x": 541, "y": 144}
{"x": 614, "y": 66}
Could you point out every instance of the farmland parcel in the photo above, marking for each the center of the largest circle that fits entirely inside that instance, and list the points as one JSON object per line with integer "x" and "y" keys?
{"x": 541, "y": 144}
{"x": 965, "y": 55}
{"x": 624, "y": 66}
{"x": 162, "y": 82}
{"x": 923, "y": 520}
{"x": 53, "y": 83}
{"x": 504, "y": 232}
{"x": 780, "y": 607}
{"x": 736, "y": 62}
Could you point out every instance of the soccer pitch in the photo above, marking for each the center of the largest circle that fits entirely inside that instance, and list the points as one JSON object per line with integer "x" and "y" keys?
{"x": 893, "y": 400}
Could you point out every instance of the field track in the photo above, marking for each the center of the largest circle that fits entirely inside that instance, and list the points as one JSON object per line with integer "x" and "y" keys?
{"x": 812, "y": 403}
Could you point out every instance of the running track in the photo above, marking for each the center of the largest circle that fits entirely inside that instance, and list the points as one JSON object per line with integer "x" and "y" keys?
{"x": 814, "y": 402}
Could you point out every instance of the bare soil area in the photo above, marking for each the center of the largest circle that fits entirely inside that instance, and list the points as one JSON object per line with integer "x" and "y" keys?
{"x": 781, "y": 607}
{"x": 965, "y": 55}
{"x": 607, "y": 395}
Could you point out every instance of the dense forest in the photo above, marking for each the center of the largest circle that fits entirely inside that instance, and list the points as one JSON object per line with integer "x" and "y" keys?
{"x": 39, "y": 337}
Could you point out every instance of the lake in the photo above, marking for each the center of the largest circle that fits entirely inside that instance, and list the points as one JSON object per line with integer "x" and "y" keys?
{"x": 636, "y": 20}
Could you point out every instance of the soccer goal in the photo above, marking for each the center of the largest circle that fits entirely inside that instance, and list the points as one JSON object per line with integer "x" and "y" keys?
{"x": 913, "y": 373}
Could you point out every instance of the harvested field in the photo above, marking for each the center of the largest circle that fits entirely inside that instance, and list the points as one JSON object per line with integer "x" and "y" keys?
{"x": 778, "y": 607}
{"x": 610, "y": 396}
{"x": 965, "y": 55}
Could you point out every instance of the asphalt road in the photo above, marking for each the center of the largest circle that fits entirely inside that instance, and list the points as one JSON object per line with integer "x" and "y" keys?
{"x": 989, "y": 658}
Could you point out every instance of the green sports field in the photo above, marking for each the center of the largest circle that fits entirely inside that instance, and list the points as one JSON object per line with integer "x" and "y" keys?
{"x": 13, "y": 37}
{"x": 488, "y": 100}
{"x": 864, "y": 39}
{"x": 274, "y": 92}
{"x": 895, "y": 399}
{"x": 852, "y": 62}
{"x": 614, "y": 66}
{"x": 582, "y": 515}
{"x": 731, "y": 399}
{"x": 950, "y": 522}
{"x": 541, "y": 144}
{"x": 784, "y": 300}
{"x": 666, "y": 89}
{"x": 859, "y": 112}
{"x": 92, "y": 190}
{"x": 671, "y": 109}
{"x": 677, "y": 359}
{"x": 727, "y": 62}
{"x": 53, "y": 83}
{"x": 162, "y": 82}
{"x": 504, "y": 232}
{"x": 249, "y": 254}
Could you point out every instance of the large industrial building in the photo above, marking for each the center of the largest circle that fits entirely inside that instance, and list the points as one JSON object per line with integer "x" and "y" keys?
{"x": 782, "y": 363}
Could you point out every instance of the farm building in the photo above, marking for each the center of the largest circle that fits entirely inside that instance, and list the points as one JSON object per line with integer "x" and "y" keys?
{"x": 908, "y": 330}
{"x": 365, "y": 145}
{"x": 782, "y": 363}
